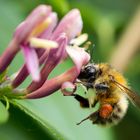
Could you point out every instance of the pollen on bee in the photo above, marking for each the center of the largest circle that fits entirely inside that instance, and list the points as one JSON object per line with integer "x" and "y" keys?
{"x": 105, "y": 111}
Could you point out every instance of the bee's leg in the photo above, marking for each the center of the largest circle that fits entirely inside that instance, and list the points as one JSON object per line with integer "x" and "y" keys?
{"x": 83, "y": 101}
{"x": 95, "y": 102}
{"x": 100, "y": 116}
{"x": 93, "y": 117}
{"x": 89, "y": 85}
{"x": 101, "y": 87}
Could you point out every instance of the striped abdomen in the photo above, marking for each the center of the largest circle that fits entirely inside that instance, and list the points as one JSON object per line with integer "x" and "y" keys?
{"x": 116, "y": 115}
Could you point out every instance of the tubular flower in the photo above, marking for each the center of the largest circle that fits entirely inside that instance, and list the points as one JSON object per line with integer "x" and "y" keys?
{"x": 69, "y": 76}
{"x": 70, "y": 26}
{"x": 41, "y": 20}
{"x": 46, "y": 43}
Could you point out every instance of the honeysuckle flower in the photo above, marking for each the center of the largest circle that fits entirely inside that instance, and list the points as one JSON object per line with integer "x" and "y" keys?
{"x": 40, "y": 21}
{"x": 23, "y": 73}
{"x": 71, "y": 26}
{"x": 54, "y": 58}
{"x": 54, "y": 84}
{"x": 46, "y": 43}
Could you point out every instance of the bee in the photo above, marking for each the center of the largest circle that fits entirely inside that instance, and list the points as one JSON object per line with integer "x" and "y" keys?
{"x": 111, "y": 92}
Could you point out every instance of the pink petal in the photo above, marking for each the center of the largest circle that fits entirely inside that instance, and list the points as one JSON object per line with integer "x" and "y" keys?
{"x": 23, "y": 73}
{"x": 9, "y": 54}
{"x": 52, "y": 85}
{"x": 68, "y": 88}
{"x": 41, "y": 9}
{"x": 47, "y": 33}
{"x": 55, "y": 56}
{"x": 31, "y": 62}
{"x": 22, "y": 32}
{"x": 71, "y": 24}
{"x": 37, "y": 16}
{"x": 79, "y": 56}
{"x": 62, "y": 41}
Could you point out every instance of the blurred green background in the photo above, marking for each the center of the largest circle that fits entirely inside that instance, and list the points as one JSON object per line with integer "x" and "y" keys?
{"x": 105, "y": 22}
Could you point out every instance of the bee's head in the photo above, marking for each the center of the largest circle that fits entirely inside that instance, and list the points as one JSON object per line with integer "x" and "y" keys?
{"x": 88, "y": 72}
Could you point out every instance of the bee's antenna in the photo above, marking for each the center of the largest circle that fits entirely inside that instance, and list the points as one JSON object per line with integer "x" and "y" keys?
{"x": 87, "y": 45}
{"x": 91, "y": 53}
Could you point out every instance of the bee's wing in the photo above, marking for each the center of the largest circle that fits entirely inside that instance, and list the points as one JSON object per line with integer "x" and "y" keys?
{"x": 134, "y": 98}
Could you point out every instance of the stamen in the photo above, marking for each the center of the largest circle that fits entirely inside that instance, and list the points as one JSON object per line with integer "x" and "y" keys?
{"x": 43, "y": 43}
{"x": 86, "y": 45}
{"x": 41, "y": 27}
{"x": 79, "y": 40}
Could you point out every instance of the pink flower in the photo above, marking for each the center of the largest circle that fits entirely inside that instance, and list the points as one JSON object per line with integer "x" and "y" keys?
{"x": 70, "y": 26}
{"x": 68, "y": 77}
{"x": 40, "y": 21}
{"x": 46, "y": 43}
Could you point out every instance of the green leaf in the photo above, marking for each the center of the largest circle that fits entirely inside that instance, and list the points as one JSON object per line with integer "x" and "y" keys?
{"x": 51, "y": 131}
{"x": 3, "y": 113}
{"x": 62, "y": 6}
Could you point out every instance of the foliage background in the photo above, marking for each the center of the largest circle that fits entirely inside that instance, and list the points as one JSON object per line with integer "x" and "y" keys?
{"x": 105, "y": 21}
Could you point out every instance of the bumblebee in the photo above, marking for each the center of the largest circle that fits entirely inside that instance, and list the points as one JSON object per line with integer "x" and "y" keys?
{"x": 111, "y": 92}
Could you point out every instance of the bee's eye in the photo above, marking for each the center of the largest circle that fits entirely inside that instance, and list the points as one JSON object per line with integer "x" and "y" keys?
{"x": 88, "y": 72}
